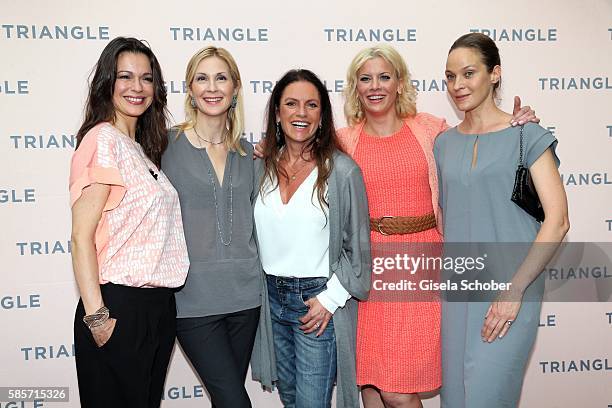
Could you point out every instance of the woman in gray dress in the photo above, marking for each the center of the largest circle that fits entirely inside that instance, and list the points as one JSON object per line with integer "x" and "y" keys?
{"x": 212, "y": 169}
{"x": 486, "y": 345}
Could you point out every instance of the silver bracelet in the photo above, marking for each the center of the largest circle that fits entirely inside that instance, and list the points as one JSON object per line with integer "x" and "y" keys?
{"x": 98, "y": 318}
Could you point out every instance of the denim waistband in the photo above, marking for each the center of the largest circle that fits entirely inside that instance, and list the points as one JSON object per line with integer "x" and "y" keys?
{"x": 295, "y": 284}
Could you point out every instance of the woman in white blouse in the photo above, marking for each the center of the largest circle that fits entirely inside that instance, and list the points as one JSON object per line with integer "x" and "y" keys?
{"x": 312, "y": 226}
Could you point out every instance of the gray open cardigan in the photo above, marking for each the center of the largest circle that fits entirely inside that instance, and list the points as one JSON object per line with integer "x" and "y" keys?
{"x": 349, "y": 259}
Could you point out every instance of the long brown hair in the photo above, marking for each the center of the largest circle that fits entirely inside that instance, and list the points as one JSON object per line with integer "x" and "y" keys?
{"x": 321, "y": 147}
{"x": 151, "y": 127}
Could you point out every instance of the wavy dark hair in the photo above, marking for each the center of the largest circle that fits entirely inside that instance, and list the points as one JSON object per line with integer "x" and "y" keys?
{"x": 321, "y": 147}
{"x": 151, "y": 127}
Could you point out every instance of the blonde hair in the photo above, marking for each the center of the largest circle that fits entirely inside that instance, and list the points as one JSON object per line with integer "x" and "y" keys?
{"x": 405, "y": 104}
{"x": 235, "y": 116}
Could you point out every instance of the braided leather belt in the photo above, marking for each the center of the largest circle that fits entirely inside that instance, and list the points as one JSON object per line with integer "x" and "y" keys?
{"x": 389, "y": 225}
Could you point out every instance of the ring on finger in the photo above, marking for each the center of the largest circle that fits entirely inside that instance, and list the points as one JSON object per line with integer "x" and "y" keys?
{"x": 509, "y": 322}
{"x": 317, "y": 325}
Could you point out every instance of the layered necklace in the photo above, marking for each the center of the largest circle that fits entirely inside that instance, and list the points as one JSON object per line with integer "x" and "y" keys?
{"x": 214, "y": 186}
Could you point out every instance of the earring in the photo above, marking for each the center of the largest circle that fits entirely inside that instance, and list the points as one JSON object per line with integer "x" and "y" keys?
{"x": 278, "y": 132}
{"x": 234, "y": 102}
{"x": 193, "y": 102}
{"x": 318, "y": 132}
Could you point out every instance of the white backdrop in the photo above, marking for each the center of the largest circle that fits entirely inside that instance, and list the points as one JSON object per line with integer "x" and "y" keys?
{"x": 555, "y": 54}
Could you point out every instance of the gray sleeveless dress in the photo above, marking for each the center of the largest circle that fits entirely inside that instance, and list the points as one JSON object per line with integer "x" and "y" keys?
{"x": 476, "y": 207}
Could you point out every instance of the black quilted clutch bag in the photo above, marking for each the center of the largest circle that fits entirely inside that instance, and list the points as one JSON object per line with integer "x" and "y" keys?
{"x": 524, "y": 193}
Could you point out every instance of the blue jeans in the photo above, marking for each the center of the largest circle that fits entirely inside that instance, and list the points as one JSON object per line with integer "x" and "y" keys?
{"x": 306, "y": 364}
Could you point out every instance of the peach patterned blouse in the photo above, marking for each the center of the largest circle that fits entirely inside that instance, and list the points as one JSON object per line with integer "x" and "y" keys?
{"x": 139, "y": 239}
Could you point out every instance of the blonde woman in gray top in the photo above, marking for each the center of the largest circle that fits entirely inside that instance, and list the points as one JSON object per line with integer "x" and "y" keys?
{"x": 212, "y": 169}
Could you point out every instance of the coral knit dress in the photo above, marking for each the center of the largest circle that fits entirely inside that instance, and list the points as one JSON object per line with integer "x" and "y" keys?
{"x": 398, "y": 340}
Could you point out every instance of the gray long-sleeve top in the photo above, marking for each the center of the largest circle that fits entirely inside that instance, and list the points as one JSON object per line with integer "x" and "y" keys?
{"x": 221, "y": 279}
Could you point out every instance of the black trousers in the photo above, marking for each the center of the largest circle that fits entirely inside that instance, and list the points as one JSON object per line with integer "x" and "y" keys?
{"x": 219, "y": 347}
{"x": 130, "y": 369}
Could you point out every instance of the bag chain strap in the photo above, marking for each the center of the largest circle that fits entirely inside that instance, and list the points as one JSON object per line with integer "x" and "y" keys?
{"x": 521, "y": 148}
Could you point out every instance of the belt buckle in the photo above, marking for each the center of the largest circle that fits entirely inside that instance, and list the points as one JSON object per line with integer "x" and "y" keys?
{"x": 379, "y": 226}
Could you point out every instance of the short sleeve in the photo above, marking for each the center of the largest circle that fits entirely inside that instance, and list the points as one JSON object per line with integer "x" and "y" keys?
{"x": 95, "y": 161}
{"x": 537, "y": 140}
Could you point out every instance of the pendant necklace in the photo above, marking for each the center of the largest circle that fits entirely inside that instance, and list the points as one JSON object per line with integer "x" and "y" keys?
{"x": 292, "y": 177}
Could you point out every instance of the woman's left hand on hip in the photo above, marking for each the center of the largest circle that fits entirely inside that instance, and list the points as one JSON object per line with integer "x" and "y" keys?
{"x": 316, "y": 319}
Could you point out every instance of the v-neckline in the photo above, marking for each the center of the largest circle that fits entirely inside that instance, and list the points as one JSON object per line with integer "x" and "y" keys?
{"x": 203, "y": 152}
{"x": 226, "y": 167}
{"x": 280, "y": 197}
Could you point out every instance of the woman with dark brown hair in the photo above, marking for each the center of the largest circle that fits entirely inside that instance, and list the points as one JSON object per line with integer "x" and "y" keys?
{"x": 311, "y": 218}
{"x": 128, "y": 247}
